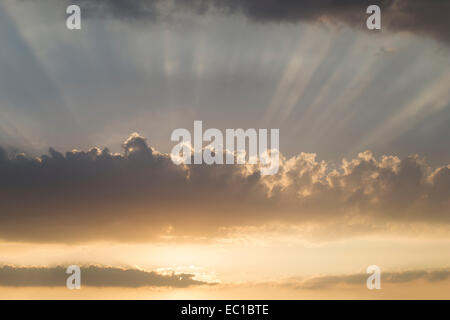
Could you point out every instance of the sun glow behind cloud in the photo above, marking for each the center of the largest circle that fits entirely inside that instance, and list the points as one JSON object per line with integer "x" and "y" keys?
{"x": 332, "y": 89}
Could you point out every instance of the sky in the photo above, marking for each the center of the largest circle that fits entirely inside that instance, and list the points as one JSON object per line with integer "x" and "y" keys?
{"x": 86, "y": 176}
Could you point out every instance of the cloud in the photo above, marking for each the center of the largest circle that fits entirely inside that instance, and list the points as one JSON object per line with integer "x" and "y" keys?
{"x": 359, "y": 279}
{"x": 416, "y": 16}
{"x": 140, "y": 195}
{"x": 93, "y": 276}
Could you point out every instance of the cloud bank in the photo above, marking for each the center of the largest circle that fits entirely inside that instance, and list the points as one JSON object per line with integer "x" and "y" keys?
{"x": 104, "y": 276}
{"x": 415, "y": 16}
{"x": 141, "y": 195}
{"x": 93, "y": 276}
{"x": 359, "y": 279}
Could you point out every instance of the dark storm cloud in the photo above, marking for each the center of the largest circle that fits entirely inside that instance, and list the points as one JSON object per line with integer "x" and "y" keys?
{"x": 359, "y": 279}
{"x": 93, "y": 276}
{"x": 416, "y": 16}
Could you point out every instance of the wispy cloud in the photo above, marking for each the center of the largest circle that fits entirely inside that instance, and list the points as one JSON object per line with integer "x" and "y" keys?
{"x": 359, "y": 279}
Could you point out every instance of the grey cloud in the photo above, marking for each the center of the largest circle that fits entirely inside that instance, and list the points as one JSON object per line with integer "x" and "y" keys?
{"x": 141, "y": 195}
{"x": 93, "y": 276}
{"x": 416, "y": 16}
{"x": 134, "y": 9}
